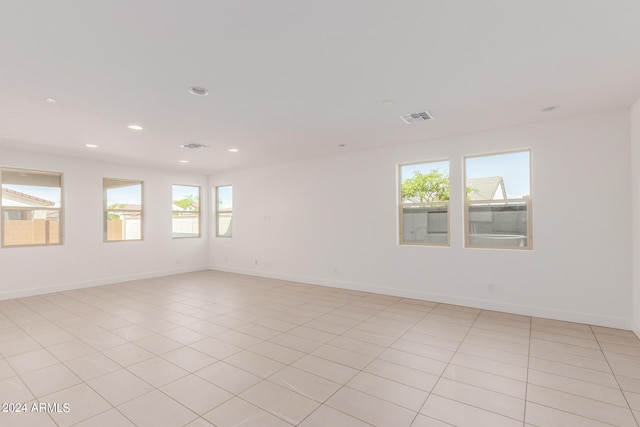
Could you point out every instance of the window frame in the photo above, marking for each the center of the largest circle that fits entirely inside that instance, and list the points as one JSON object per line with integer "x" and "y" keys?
{"x": 219, "y": 211}
{"x": 173, "y": 212}
{"x": 60, "y": 209}
{"x": 106, "y": 210}
{"x": 402, "y": 205}
{"x": 528, "y": 202}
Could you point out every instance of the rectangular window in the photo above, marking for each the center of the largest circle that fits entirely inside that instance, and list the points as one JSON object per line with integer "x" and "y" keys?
{"x": 123, "y": 219}
{"x": 498, "y": 200}
{"x": 424, "y": 203}
{"x": 224, "y": 210}
{"x": 31, "y": 207}
{"x": 186, "y": 211}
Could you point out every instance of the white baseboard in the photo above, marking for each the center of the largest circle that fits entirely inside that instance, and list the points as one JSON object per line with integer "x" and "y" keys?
{"x": 526, "y": 310}
{"x": 635, "y": 327}
{"x": 98, "y": 282}
{"x": 544, "y": 312}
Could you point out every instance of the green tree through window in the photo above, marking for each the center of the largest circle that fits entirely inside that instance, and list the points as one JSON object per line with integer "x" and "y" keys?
{"x": 430, "y": 187}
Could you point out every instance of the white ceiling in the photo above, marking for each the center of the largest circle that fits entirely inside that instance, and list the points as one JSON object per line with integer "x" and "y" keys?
{"x": 293, "y": 79}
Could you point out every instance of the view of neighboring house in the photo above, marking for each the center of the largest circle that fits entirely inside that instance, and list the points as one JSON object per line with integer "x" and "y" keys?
{"x": 13, "y": 198}
{"x": 124, "y": 222}
{"x": 486, "y": 188}
{"x": 24, "y": 223}
{"x": 502, "y": 224}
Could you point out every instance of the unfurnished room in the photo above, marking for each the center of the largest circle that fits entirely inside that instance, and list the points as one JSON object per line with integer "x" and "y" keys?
{"x": 336, "y": 213}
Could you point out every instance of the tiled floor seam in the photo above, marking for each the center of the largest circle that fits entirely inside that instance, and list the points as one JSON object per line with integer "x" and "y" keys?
{"x": 526, "y": 389}
{"x": 170, "y": 295}
{"x": 633, "y": 414}
{"x": 363, "y": 369}
{"x": 107, "y": 373}
{"x": 579, "y": 415}
{"x": 447, "y": 365}
{"x": 19, "y": 376}
{"x": 285, "y": 366}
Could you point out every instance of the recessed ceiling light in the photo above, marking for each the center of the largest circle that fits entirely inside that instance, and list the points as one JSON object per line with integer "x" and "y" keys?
{"x": 199, "y": 91}
{"x": 91, "y": 145}
{"x": 550, "y": 108}
{"x": 233, "y": 150}
{"x": 135, "y": 127}
{"x": 386, "y": 102}
{"x": 183, "y": 161}
{"x": 51, "y": 100}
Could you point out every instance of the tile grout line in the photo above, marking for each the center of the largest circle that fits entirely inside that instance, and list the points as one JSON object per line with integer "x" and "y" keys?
{"x": 526, "y": 388}
{"x": 578, "y": 395}
{"x": 363, "y": 368}
{"x": 323, "y": 344}
{"x": 480, "y": 311}
{"x": 19, "y": 376}
{"x": 614, "y": 375}
{"x": 171, "y": 296}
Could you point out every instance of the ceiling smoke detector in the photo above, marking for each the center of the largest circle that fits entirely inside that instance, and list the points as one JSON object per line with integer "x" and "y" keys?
{"x": 421, "y": 116}
{"x": 194, "y": 146}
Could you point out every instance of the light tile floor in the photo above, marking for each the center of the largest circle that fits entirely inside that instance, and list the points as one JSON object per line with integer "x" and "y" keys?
{"x": 212, "y": 348}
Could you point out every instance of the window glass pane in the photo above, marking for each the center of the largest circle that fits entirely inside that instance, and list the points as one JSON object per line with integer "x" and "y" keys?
{"x": 31, "y": 227}
{"x": 498, "y": 224}
{"x": 425, "y": 224}
{"x": 123, "y": 194}
{"x": 498, "y": 176}
{"x": 498, "y": 200}
{"x": 123, "y": 209}
{"x": 224, "y": 211}
{"x": 124, "y": 225}
{"x": 31, "y": 207}
{"x": 425, "y": 193}
{"x": 225, "y": 198}
{"x": 185, "y": 211}
{"x": 31, "y": 195}
{"x": 425, "y": 182}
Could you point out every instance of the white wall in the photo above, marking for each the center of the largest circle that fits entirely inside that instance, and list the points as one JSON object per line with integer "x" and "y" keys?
{"x": 333, "y": 221}
{"x": 83, "y": 259}
{"x": 635, "y": 200}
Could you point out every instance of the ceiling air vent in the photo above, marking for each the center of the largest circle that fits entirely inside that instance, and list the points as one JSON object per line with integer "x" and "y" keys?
{"x": 193, "y": 146}
{"x": 421, "y": 116}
